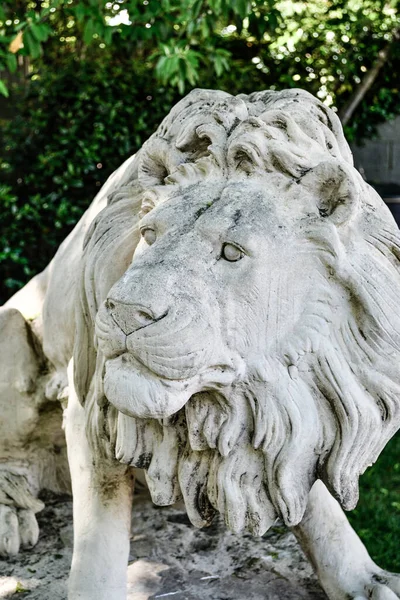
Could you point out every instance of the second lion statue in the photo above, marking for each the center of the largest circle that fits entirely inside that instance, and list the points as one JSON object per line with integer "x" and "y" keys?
{"x": 225, "y": 316}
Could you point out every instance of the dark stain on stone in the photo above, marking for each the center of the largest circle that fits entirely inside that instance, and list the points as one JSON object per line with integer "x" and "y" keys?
{"x": 237, "y": 216}
{"x": 144, "y": 460}
{"x": 201, "y": 211}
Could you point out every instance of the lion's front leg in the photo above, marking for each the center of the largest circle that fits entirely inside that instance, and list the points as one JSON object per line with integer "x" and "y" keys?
{"x": 102, "y": 502}
{"x": 340, "y": 559}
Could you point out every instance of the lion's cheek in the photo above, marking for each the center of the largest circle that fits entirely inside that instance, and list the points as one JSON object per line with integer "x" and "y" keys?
{"x": 136, "y": 392}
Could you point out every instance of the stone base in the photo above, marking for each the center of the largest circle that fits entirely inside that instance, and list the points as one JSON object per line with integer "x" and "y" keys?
{"x": 169, "y": 559}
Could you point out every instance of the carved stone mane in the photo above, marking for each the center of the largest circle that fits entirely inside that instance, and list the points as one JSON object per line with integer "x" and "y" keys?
{"x": 323, "y": 403}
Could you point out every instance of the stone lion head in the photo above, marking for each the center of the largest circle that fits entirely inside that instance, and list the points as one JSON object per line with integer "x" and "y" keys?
{"x": 242, "y": 288}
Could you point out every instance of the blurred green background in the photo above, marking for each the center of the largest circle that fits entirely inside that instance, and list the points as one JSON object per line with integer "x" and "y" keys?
{"x": 83, "y": 83}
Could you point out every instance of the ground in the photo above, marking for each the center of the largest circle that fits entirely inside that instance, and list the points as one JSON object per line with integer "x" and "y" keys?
{"x": 169, "y": 559}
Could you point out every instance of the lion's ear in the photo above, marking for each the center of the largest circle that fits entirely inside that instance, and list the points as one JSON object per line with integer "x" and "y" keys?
{"x": 336, "y": 188}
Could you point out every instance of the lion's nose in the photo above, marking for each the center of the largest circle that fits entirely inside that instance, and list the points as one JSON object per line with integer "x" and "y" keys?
{"x": 130, "y": 317}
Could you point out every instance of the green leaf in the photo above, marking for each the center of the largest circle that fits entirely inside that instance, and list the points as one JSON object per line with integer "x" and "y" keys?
{"x": 160, "y": 67}
{"x": 216, "y": 6}
{"x": 181, "y": 86}
{"x": 20, "y": 26}
{"x": 241, "y": 8}
{"x": 80, "y": 12}
{"x": 182, "y": 69}
{"x": 197, "y": 5}
{"x": 32, "y": 45}
{"x": 89, "y": 31}
{"x": 107, "y": 36}
{"x": 205, "y": 31}
{"x": 11, "y": 61}
{"x": 40, "y": 32}
{"x": 219, "y": 69}
{"x": 171, "y": 66}
{"x": 3, "y": 89}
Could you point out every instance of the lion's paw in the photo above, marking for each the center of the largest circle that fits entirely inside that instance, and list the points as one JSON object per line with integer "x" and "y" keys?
{"x": 18, "y": 529}
{"x": 382, "y": 586}
{"x": 18, "y": 525}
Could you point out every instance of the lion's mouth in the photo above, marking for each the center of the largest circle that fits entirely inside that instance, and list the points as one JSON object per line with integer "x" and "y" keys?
{"x": 137, "y": 391}
{"x": 172, "y": 369}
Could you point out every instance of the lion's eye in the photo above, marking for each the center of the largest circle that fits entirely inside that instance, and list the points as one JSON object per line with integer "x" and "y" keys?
{"x": 231, "y": 252}
{"x": 149, "y": 235}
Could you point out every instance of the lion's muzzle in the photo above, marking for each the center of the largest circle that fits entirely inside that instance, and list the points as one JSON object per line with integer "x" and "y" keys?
{"x": 137, "y": 392}
{"x": 157, "y": 359}
{"x": 173, "y": 344}
{"x": 131, "y": 317}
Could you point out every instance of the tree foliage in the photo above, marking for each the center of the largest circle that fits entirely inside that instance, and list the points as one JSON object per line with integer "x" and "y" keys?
{"x": 89, "y": 80}
{"x": 73, "y": 129}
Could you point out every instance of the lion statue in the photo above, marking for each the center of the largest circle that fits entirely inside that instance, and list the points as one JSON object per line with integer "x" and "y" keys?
{"x": 224, "y": 316}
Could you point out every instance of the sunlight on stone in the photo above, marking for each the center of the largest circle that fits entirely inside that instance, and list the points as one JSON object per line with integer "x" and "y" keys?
{"x": 11, "y": 585}
{"x": 144, "y": 579}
